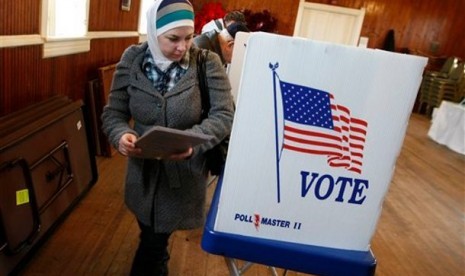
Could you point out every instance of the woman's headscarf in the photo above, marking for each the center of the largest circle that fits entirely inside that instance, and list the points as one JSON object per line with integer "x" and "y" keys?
{"x": 163, "y": 16}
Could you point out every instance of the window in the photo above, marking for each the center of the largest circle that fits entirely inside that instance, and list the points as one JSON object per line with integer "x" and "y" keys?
{"x": 69, "y": 18}
{"x": 142, "y": 29}
{"x": 64, "y": 27}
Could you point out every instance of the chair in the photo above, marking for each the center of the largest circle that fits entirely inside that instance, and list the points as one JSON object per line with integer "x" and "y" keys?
{"x": 446, "y": 68}
{"x": 446, "y": 84}
{"x": 438, "y": 87}
{"x": 96, "y": 98}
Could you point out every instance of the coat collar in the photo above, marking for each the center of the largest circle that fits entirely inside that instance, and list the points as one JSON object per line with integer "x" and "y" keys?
{"x": 140, "y": 81}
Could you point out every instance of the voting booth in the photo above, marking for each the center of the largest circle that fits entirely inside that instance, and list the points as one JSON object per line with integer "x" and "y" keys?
{"x": 317, "y": 131}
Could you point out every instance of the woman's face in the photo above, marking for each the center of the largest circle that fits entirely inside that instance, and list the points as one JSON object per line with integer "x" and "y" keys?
{"x": 176, "y": 42}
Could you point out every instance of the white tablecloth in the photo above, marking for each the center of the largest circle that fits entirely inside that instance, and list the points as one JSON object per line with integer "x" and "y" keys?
{"x": 448, "y": 127}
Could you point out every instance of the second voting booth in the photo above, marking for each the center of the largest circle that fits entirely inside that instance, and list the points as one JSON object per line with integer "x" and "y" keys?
{"x": 317, "y": 131}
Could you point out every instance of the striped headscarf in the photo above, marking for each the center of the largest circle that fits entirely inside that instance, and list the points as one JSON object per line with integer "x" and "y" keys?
{"x": 163, "y": 16}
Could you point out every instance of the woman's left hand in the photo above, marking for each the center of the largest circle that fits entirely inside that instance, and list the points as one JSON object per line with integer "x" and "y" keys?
{"x": 181, "y": 156}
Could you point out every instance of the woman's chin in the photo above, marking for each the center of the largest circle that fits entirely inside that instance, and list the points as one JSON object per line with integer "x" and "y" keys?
{"x": 176, "y": 57}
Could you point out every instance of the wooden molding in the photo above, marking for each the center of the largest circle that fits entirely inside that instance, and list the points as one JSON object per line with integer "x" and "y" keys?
{"x": 20, "y": 40}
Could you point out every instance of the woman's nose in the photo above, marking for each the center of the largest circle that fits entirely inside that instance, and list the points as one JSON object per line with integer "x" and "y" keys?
{"x": 182, "y": 46}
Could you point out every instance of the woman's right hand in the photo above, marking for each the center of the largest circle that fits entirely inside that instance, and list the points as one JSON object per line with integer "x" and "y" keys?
{"x": 127, "y": 146}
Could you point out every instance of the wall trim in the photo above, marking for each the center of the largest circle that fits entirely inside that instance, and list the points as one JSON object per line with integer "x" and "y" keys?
{"x": 96, "y": 35}
{"x": 20, "y": 40}
{"x": 65, "y": 47}
{"x": 62, "y": 46}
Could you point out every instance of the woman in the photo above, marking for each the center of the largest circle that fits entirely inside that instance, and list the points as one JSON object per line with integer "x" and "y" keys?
{"x": 156, "y": 83}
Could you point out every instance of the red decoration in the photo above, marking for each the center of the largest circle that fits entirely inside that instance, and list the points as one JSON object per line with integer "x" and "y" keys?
{"x": 208, "y": 12}
{"x": 260, "y": 21}
{"x": 256, "y": 21}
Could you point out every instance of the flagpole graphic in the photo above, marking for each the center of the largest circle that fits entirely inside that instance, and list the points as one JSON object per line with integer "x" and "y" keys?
{"x": 314, "y": 123}
{"x": 278, "y": 177}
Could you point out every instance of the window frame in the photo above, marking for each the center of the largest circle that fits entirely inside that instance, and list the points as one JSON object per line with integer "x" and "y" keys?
{"x": 53, "y": 47}
{"x": 141, "y": 28}
{"x": 58, "y": 46}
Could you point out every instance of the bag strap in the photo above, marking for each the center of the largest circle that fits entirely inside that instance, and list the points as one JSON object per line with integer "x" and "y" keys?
{"x": 203, "y": 83}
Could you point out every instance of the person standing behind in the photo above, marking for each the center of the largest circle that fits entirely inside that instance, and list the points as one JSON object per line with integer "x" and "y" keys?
{"x": 221, "y": 42}
{"x": 155, "y": 84}
{"x": 221, "y": 23}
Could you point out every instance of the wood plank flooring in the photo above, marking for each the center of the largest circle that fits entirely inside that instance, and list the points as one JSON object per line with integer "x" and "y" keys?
{"x": 421, "y": 230}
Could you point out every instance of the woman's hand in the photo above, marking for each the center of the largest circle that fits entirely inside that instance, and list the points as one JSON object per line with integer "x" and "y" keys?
{"x": 182, "y": 156}
{"x": 127, "y": 145}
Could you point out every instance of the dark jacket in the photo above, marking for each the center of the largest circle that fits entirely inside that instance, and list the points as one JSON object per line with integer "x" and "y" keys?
{"x": 170, "y": 195}
{"x": 209, "y": 41}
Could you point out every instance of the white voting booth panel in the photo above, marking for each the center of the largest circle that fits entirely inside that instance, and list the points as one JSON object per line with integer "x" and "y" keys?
{"x": 316, "y": 135}
{"x": 237, "y": 62}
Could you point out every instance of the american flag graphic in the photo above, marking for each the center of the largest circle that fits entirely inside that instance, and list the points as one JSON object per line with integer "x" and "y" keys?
{"x": 315, "y": 124}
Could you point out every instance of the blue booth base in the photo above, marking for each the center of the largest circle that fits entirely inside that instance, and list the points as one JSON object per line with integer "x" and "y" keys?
{"x": 287, "y": 255}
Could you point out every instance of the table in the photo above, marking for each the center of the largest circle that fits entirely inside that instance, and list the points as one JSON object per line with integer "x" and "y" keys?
{"x": 448, "y": 126}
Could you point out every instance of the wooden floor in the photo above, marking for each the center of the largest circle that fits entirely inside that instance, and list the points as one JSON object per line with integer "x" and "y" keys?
{"x": 421, "y": 230}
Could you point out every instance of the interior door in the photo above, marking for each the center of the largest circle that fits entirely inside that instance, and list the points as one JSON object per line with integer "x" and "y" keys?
{"x": 329, "y": 23}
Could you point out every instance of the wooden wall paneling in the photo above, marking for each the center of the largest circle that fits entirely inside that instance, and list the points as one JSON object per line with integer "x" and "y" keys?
{"x": 107, "y": 51}
{"x": 430, "y": 27}
{"x": 29, "y": 11}
{"x": 452, "y": 33}
{"x": 26, "y": 77}
{"x": 108, "y": 16}
{"x": 285, "y": 11}
{"x": 418, "y": 25}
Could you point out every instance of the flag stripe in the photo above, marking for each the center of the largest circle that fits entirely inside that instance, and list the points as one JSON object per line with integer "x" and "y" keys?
{"x": 360, "y": 122}
{"x": 312, "y": 151}
{"x": 310, "y": 142}
{"x": 353, "y": 137}
{"x": 289, "y": 128}
{"x": 352, "y": 145}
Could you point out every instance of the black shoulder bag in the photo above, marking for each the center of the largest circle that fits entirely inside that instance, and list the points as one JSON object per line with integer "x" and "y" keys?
{"x": 215, "y": 157}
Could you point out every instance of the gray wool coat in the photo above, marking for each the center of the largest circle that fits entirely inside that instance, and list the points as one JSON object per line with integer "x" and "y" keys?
{"x": 168, "y": 195}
